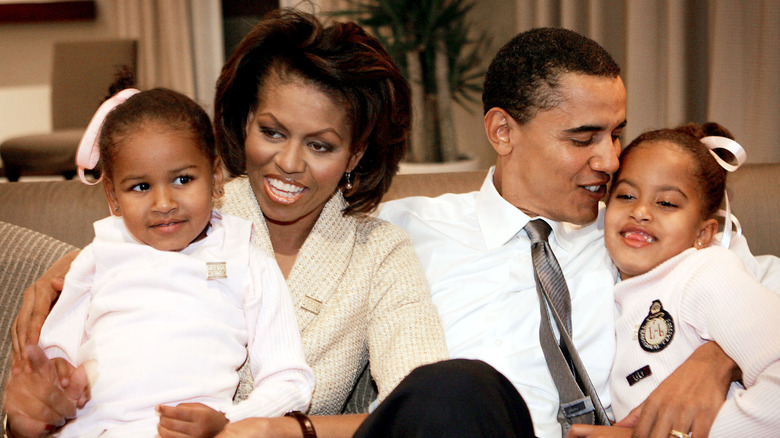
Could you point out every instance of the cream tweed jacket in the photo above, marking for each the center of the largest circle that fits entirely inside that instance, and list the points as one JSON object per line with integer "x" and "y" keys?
{"x": 359, "y": 293}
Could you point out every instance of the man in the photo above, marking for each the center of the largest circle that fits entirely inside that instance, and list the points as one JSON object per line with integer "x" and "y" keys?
{"x": 554, "y": 107}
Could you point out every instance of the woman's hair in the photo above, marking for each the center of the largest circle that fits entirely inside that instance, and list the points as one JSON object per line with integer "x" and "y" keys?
{"x": 157, "y": 106}
{"x": 341, "y": 60}
{"x": 709, "y": 175}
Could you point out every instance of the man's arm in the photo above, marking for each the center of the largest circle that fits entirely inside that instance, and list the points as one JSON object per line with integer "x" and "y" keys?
{"x": 689, "y": 399}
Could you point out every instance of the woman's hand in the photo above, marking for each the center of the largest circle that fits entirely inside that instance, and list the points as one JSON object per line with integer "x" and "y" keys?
{"x": 194, "y": 420}
{"x": 36, "y": 304}
{"x": 42, "y": 394}
{"x": 589, "y": 431}
{"x": 689, "y": 399}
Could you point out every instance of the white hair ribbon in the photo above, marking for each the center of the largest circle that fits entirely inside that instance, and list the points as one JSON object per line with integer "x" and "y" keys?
{"x": 738, "y": 156}
{"x": 88, "y": 153}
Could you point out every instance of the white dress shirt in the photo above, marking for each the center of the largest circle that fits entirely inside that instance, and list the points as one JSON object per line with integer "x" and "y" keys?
{"x": 477, "y": 259}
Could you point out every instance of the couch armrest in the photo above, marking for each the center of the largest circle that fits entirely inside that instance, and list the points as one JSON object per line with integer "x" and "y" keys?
{"x": 24, "y": 256}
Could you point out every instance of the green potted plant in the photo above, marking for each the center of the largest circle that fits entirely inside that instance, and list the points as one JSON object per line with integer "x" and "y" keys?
{"x": 438, "y": 51}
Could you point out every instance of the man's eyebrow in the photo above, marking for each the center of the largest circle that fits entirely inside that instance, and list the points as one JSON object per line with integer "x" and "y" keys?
{"x": 584, "y": 128}
{"x": 592, "y": 128}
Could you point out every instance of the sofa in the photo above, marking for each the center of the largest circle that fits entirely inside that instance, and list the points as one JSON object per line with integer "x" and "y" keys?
{"x": 41, "y": 221}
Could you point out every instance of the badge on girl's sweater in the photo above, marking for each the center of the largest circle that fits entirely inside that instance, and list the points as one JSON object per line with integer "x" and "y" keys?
{"x": 216, "y": 270}
{"x": 657, "y": 329}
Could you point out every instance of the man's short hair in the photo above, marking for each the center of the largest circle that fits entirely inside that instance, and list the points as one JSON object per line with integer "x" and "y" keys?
{"x": 523, "y": 77}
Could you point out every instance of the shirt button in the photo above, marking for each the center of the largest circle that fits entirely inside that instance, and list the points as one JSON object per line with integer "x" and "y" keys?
{"x": 498, "y": 342}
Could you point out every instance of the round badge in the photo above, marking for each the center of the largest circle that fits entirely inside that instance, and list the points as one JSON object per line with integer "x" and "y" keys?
{"x": 657, "y": 329}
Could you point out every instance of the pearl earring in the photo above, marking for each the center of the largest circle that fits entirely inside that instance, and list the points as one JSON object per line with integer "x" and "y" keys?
{"x": 348, "y": 177}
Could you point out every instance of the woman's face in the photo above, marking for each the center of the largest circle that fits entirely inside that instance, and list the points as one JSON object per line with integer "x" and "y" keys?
{"x": 297, "y": 149}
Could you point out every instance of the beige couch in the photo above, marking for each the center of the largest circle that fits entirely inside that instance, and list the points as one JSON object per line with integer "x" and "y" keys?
{"x": 40, "y": 221}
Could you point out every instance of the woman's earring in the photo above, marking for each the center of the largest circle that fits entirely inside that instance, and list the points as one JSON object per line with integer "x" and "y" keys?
{"x": 348, "y": 177}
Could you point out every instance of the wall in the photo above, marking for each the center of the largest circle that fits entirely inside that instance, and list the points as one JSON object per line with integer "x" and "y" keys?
{"x": 25, "y": 72}
{"x": 497, "y": 17}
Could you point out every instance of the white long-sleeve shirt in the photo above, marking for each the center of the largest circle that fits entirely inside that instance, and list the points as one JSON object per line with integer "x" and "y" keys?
{"x": 161, "y": 332}
{"x": 708, "y": 295}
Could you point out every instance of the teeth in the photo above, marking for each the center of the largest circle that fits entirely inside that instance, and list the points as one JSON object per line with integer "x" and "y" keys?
{"x": 593, "y": 188}
{"x": 284, "y": 189}
{"x": 633, "y": 235}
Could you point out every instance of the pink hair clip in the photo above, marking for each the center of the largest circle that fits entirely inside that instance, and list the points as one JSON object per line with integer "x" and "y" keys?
{"x": 88, "y": 153}
{"x": 717, "y": 143}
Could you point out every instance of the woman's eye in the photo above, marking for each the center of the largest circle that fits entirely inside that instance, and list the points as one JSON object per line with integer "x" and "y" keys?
{"x": 140, "y": 187}
{"x": 271, "y": 133}
{"x": 320, "y": 147}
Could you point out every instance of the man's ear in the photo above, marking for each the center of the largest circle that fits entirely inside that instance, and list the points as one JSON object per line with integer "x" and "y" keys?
{"x": 707, "y": 231}
{"x": 113, "y": 202}
{"x": 497, "y": 127}
{"x": 218, "y": 179}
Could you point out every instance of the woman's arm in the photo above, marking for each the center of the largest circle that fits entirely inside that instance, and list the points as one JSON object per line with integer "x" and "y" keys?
{"x": 335, "y": 426}
{"x": 36, "y": 305}
{"x": 405, "y": 329}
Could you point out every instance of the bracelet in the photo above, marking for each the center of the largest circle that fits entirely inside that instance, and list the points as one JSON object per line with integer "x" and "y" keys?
{"x": 306, "y": 425}
{"x": 6, "y": 432}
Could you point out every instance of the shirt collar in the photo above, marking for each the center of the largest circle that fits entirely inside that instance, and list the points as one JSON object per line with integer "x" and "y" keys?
{"x": 501, "y": 221}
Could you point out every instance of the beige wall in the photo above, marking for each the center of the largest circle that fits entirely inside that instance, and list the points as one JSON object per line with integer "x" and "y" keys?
{"x": 25, "y": 70}
{"x": 497, "y": 17}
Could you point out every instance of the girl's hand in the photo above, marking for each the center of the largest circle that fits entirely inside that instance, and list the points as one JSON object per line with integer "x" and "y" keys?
{"x": 190, "y": 420}
{"x": 589, "y": 431}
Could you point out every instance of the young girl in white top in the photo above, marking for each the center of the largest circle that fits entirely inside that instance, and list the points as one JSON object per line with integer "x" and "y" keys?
{"x": 160, "y": 308}
{"x": 678, "y": 290}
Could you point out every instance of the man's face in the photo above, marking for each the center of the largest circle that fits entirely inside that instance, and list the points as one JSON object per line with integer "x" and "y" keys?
{"x": 560, "y": 161}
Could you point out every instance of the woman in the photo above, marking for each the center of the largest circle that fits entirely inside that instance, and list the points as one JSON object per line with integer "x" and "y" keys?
{"x": 314, "y": 122}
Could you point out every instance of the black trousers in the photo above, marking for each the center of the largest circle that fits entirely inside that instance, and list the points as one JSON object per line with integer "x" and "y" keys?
{"x": 453, "y": 398}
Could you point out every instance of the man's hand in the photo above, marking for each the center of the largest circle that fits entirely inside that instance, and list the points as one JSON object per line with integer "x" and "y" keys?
{"x": 590, "y": 431}
{"x": 36, "y": 304}
{"x": 689, "y": 399}
{"x": 190, "y": 420}
{"x": 42, "y": 394}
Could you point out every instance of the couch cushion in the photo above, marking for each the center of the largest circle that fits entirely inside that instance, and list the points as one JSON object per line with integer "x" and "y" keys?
{"x": 25, "y": 255}
{"x": 754, "y": 192}
{"x": 64, "y": 210}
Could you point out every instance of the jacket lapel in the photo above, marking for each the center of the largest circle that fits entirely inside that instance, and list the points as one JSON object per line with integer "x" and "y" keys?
{"x": 322, "y": 261}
